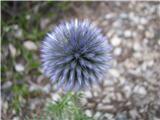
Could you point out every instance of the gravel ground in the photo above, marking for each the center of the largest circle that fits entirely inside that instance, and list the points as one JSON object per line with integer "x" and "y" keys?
{"x": 130, "y": 90}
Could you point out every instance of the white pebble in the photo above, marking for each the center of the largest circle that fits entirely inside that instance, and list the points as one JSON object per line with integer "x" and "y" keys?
{"x": 140, "y": 27}
{"x": 15, "y": 118}
{"x": 117, "y": 23}
{"x": 30, "y": 45}
{"x": 109, "y": 116}
{"x": 117, "y": 51}
{"x": 149, "y": 34}
{"x": 12, "y": 50}
{"x": 7, "y": 85}
{"x": 110, "y": 33}
{"x": 55, "y": 97}
{"x": 83, "y": 101}
{"x": 114, "y": 73}
{"x": 109, "y": 16}
{"x": 123, "y": 15}
{"x": 137, "y": 55}
{"x": 143, "y": 21}
{"x": 159, "y": 41}
{"x": 88, "y": 113}
{"x": 128, "y": 90}
{"x": 127, "y": 33}
{"x": 137, "y": 46}
{"x": 134, "y": 114}
{"x": 19, "y": 67}
{"x": 28, "y": 17}
{"x": 140, "y": 90}
{"x": 88, "y": 94}
{"x": 105, "y": 107}
{"x": 115, "y": 41}
{"x": 97, "y": 115}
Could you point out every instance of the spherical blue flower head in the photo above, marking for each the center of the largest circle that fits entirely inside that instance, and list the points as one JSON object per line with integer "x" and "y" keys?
{"x": 75, "y": 55}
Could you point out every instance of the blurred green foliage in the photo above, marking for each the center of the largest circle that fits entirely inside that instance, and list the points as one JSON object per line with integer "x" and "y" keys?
{"x": 24, "y": 16}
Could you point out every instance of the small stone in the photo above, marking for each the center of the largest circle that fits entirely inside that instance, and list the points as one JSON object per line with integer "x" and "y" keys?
{"x": 110, "y": 33}
{"x": 17, "y": 31}
{"x": 115, "y": 41}
{"x": 134, "y": 34}
{"x": 117, "y": 23}
{"x": 30, "y": 45}
{"x": 7, "y": 85}
{"x": 128, "y": 33}
{"x": 95, "y": 93}
{"x": 14, "y": 111}
{"x": 147, "y": 64}
{"x": 119, "y": 97}
{"x": 16, "y": 118}
{"x": 28, "y": 17}
{"x": 83, "y": 101}
{"x": 12, "y": 50}
{"x": 15, "y": 26}
{"x": 19, "y": 67}
{"x": 134, "y": 18}
{"x": 124, "y": 15}
{"x": 137, "y": 46}
{"x": 137, "y": 55}
{"x": 44, "y": 22}
{"x": 117, "y": 51}
{"x": 150, "y": 63}
{"x": 140, "y": 90}
{"x": 127, "y": 90}
{"x": 149, "y": 34}
{"x": 106, "y": 99}
{"x": 159, "y": 41}
{"x": 140, "y": 27}
{"x": 91, "y": 105}
{"x": 155, "y": 118}
{"x": 109, "y": 16}
{"x": 105, "y": 107}
{"x": 131, "y": 64}
{"x": 5, "y": 106}
{"x": 46, "y": 88}
{"x": 126, "y": 53}
{"x": 121, "y": 116}
{"x": 88, "y": 113}
{"x": 97, "y": 115}
{"x": 119, "y": 32}
{"x": 109, "y": 82}
{"x": 109, "y": 116}
{"x": 96, "y": 88}
{"x": 133, "y": 113}
{"x": 88, "y": 94}
{"x": 55, "y": 97}
{"x": 143, "y": 21}
{"x": 114, "y": 73}
{"x": 122, "y": 80}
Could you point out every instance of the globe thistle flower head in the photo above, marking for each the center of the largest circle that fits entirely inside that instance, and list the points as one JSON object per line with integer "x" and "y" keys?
{"x": 75, "y": 55}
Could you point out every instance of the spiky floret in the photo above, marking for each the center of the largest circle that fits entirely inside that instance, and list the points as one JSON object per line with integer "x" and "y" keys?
{"x": 75, "y": 55}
